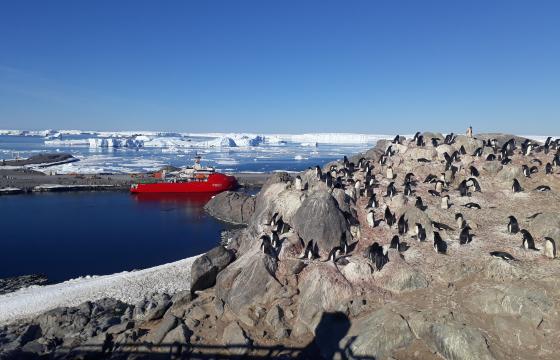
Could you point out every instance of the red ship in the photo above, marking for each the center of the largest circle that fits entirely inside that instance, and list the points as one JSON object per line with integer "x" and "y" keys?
{"x": 188, "y": 180}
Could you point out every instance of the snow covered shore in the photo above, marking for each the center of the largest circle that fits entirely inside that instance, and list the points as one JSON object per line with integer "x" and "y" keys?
{"x": 130, "y": 287}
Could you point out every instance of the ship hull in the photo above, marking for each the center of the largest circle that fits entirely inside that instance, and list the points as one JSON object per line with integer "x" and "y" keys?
{"x": 215, "y": 183}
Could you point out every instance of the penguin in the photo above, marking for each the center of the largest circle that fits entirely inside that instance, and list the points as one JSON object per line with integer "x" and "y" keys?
{"x": 397, "y": 139}
{"x": 449, "y": 139}
{"x": 548, "y": 169}
{"x": 434, "y": 193}
{"x": 434, "y": 142}
{"x": 318, "y": 173}
{"x": 439, "y": 186}
{"x": 462, "y": 150}
{"x": 335, "y": 254}
{"x": 459, "y": 220}
{"x": 408, "y": 190}
{"x": 441, "y": 226}
{"x": 526, "y": 171}
{"x": 420, "y": 232}
{"x": 402, "y": 225}
{"x": 419, "y": 204}
{"x": 266, "y": 246}
{"x": 465, "y": 237}
{"x": 512, "y": 226}
{"x": 528, "y": 241}
{"x": 395, "y": 242}
{"x": 542, "y": 188}
{"x": 391, "y": 190}
{"x": 372, "y": 202}
{"x": 474, "y": 171}
{"x": 420, "y": 141}
{"x": 502, "y": 255}
{"x": 416, "y": 136}
{"x": 516, "y": 187}
{"x": 377, "y": 256}
{"x": 445, "y": 202}
{"x": 430, "y": 178}
{"x": 472, "y": 205}
{"x": 273, "y": 219}
{"x": 275, "y": 240}
{"x": 491, "y": 157}
{"x": 409, "y": 179}
{"x": 389, "y": 217}
{"x": 440, "y": 246}
{"x": 390, "y": 174}
{"x": 370, "y": 218}
{"x": 533, "y": 169}
{"x": 505, "y": 161}
{"x": 298, "y": 183}
{"x": 463, "y": 188}
{"x": 478, "y": 152}
{"x": 537, "y": 161}
{"x": 549, "y": 248}
{"x": 473, "y": 182}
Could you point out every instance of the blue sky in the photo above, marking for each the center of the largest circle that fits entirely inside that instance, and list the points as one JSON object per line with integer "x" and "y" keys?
{"x": 281, "y": 66}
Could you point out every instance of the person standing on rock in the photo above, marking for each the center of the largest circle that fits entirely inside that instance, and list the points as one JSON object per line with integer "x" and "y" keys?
{"x": 469, "y": 132}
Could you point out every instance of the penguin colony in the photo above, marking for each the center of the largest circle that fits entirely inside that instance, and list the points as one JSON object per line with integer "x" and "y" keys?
{"x": 362, "y": 181}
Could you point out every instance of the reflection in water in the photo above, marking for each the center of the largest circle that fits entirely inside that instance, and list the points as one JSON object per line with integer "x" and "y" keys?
{"x": 192, "y": 204}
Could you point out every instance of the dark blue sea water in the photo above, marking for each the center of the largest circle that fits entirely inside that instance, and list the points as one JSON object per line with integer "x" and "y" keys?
{"x": 66, "y": 235}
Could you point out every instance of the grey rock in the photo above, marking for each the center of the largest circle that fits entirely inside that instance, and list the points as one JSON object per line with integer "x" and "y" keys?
{"x": 510, "y": 172}
{"x": 546, "y": 224}
{"x": 206, "y": 267}
{"x": 119, "y": 328}
{"x": 248, "y": 282}
{"x": 179, "y": 335}
{"x": 377, "y": 335}
{"x": 232, "y": 207}
{"x": 320, "y": 219}
{"x": 157, "y": 334}
{"x": 492, "y": 167}
{"x": 157, "y": 307}
{"x": 470, "y": 144}
{"x": 235, "y": 339}
{"x": 275, "y": 317}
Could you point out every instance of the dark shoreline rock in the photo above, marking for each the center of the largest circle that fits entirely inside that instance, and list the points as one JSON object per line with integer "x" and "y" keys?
{"x": 11, "y": 284}
{"x": 231, "y": 206}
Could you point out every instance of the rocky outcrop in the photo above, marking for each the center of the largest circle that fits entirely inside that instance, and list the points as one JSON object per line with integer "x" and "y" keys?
{"x": 206, "y": 267}
{"x": 320, "y": 219}
{"x": 232, "y": 207}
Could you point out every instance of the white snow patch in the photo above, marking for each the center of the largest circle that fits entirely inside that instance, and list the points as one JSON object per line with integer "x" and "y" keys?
{"x": 129, "y": 287}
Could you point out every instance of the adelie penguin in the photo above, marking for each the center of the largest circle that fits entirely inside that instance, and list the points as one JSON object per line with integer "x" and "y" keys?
{"x": 373, "y": 203}
{"x": 465, "y": 237}
{"x": 460, "y": 221}
{"x": 370, "y": 217}
{"x": 548, "y": 169}
{"x": 408, "y": 190}
{"x": 402, "y": 225}
{"x": 542, "y": 188}
{"x": 391, "y": 190}
{"x": 310, "y": 252}
{"x": 377, "y": 255}
{"x": 397, "y": 244}
{"x": 526, "y": 171}
{"x": 528, "y": 241}
{"x": 502, "y": 255}
{"x": 389, "y": 217}
{"x": 472, "y": 205}
{"x": 298, "y": 185}
{"x": 516, "y": 186}
{"x": 420, "y": 232}
{"x": 440, "y": 246}
{"x": 549, "y": 248}
{"x": 419, "y": 204}
{"x": 335, "y": 254}
{"x": 445, "y": 202}
{"x": 266, "y": 246}
{"x": 474, "y": 171}
{"x": 434, "y": 193}
{"x": 472, "y": 182}
{"x": 512, "y": 226}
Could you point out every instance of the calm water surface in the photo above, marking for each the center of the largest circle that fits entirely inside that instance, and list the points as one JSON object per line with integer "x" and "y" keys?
{"x": 66, "y": 235}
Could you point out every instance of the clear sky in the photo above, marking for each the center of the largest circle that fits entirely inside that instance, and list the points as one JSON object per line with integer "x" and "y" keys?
{"x": 281, "y": 66}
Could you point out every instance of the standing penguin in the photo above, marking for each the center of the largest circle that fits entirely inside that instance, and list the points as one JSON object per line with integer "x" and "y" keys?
{"x": 549, "y": 248}
{"x": 420, "y": 232}
{"x": 512, "y": 226}
{"x": 389, "y": 217}
{"x": 390, "y": 174}
{"x": 459, "y": 220}
{"x": 402, "y": 225}
{"x": 445, "y": 202}
{"x": 548, "y": 169}
{"x": 370, "y": 218}
{"x": 465, "y": 237}
{"x": 516, "y": 186}
{"x": 298, "y": 183}
{"x": 440, "y": 246}
{"x": 528, "y": 241}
